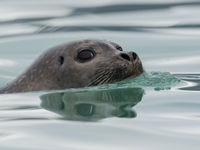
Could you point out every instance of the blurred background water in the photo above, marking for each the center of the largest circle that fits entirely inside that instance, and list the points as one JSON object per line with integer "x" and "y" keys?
{"x": 158, "y": 110}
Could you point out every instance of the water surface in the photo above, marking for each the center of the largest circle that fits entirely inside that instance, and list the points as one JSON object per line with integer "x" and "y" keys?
{"x": 158, "y": 110}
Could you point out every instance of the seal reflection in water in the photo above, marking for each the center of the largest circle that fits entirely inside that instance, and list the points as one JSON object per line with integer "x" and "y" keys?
{"x": 77, "y": 64}
{"x": 93, "y": 105}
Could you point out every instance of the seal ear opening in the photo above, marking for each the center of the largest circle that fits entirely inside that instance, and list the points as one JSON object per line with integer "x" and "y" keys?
{"x": 61, "y": 60}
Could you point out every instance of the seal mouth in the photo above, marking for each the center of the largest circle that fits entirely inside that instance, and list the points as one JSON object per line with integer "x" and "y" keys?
{"x": 136, "y": 69}
{"x": 122, "y": 71}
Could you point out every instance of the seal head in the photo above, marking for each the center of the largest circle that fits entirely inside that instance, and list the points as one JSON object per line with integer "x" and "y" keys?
{"x": 77, "y": 64}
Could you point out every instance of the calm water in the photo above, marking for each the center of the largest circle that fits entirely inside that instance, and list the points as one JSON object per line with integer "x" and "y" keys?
{"x": 158, "y": 110}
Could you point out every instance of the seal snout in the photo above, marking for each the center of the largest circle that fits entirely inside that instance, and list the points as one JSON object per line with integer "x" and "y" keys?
{"x": 134, "y": 55}
{"x": 130, "y": 56}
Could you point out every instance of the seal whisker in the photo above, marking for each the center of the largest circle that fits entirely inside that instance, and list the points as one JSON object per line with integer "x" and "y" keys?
{"x": 109, "y": 79}
{"x": 93, "y": 82}
{"x": 98, "y": 78}
{"x": 103, "y": 81}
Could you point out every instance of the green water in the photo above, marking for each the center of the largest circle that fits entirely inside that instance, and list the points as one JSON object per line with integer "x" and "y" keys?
{"x": 157, "y": 110}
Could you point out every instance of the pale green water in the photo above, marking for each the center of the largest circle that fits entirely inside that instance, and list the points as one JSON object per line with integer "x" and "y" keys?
{"x": 158, "y": 110}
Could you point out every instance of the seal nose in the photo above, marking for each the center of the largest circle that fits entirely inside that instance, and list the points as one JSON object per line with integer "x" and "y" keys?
{"x": 134, "y": 55}
{"x": 130, "y": 56}
{"x": 125, "y": 56}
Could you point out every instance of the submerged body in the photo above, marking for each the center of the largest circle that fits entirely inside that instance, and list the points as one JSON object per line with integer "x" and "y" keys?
{"x": 77, "y": 64}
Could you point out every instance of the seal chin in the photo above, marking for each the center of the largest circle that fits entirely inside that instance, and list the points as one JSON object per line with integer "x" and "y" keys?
{"x": 136, "y": 70}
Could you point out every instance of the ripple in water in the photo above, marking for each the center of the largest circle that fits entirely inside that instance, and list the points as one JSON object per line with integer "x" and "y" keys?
{"x": 155, "y": 80}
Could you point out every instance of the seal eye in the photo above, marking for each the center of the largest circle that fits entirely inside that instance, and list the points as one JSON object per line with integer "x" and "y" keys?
{"x": 119, "y": 48}
{"x": 85, "y": 55}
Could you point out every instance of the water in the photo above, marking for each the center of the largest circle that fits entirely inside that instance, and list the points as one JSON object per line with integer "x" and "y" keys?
{"x": 158, "y": 110}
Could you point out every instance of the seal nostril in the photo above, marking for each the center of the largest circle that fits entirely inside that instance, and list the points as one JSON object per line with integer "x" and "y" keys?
{"x": 134, "y": 55}
{"x": 125, "y": 56}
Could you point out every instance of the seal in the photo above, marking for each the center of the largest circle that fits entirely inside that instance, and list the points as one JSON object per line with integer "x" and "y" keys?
{"x": 76, "y": 64}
